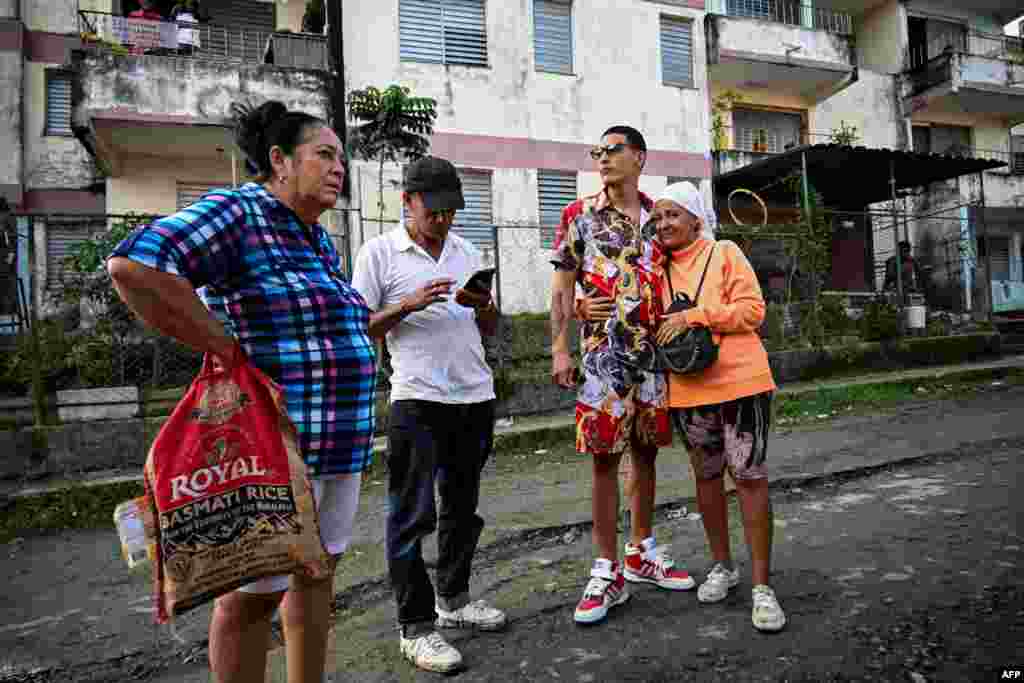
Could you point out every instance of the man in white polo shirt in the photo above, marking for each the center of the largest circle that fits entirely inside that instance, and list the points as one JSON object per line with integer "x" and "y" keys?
{"x": 441, "y": 425}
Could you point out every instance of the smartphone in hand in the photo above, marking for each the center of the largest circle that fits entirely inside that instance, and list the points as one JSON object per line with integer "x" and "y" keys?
{"x": 480, "y": 282}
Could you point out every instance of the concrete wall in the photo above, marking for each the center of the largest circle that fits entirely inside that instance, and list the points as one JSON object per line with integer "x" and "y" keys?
{"x": 149, "y": 184}
{"x": 871, "y": 105}
{"x": 52, "y": 161}
{"x": 769, "y": 38}
{"x": 51, "y": 16}
{"x": 9, "y": 8}
{"x": 881, "y": 37}
{"x": 11, "y": 70}
{"x": 191, "y": 87}
{"x": 510, "y": 98}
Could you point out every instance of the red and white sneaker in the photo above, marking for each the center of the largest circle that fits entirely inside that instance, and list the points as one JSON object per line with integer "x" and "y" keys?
{"x": 647, "y": 563}
{"x": 605, "y": 590}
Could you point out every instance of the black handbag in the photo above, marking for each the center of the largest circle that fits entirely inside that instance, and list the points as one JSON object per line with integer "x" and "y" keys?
{"x": 695, "y": 349}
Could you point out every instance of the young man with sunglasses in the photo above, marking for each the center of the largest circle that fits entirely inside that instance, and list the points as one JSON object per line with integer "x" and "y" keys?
{"x": 598, "y": 245}
{"x": 441, "y": 424}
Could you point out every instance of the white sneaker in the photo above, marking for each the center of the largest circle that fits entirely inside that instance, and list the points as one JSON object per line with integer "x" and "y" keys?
{"x": 431, "y": 652}
{"x": 716, "y": 587}
{"x": 767, "y": 615}
{"x": 478, "y": 615}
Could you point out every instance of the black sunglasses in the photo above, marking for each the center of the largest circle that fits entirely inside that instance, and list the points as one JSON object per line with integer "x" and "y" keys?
{"x": 600, "y": 150}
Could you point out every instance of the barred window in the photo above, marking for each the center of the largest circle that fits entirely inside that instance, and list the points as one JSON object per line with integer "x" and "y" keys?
{"x": 552, "y": 35}
{"x": 443, "y": 31}
{"x": 555, "y": 191}
{"x": 677, "y": 52}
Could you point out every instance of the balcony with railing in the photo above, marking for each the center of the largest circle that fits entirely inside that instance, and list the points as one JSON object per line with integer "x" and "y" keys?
{"x": 745, "y": 145}
{"x": 980, "y": 72}
{"x": 104, "y": 33}
{"x": 788, "y": 46}
{"x": 141, "y": 84}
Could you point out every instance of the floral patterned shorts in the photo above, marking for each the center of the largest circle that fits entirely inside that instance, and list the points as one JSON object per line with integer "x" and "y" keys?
{"x": 733, "y": 434}
{"x": 611, "y": 413}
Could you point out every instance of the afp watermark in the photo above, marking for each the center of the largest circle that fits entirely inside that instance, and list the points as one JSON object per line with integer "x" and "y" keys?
{"x": 1011, "y": 675}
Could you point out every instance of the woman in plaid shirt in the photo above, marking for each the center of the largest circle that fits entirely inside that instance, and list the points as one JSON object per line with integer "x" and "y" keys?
{"x": 270, "y": 281}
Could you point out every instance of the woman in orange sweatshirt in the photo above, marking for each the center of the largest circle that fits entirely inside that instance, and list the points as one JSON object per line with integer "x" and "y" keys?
{"x": 722, "y": 413}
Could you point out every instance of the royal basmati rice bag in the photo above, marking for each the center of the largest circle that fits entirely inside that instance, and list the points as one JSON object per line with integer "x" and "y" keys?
{"x": 229, "y": 490}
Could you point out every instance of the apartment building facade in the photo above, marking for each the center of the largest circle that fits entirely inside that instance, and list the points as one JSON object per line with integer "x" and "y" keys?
{"x": 106, "y": 115}
{"x": 111, "y": 117}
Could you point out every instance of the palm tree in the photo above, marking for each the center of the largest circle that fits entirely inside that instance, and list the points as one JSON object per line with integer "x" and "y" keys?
{"x": 394, "y": 126}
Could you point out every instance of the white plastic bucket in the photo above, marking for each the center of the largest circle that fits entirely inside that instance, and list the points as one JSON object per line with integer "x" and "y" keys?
{"x": 916, "y": 316}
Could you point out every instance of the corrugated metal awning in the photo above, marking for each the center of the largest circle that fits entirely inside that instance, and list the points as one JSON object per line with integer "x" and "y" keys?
{"x": 848, "y": 176}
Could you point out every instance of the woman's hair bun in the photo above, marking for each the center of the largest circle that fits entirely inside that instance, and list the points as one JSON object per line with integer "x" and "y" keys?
{"x": 251, "y": 125}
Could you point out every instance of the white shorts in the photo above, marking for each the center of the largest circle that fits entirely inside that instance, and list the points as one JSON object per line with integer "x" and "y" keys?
{"x": 337, "y": 498}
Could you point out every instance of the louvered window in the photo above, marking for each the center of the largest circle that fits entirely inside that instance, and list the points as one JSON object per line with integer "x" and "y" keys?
{"x": 552, "y": 35}
{"x": 1000, "y": 257}
{"x": 555, "y": 191}
{"x": 443, "y": 31}
{"x": 190, "y": 193}
{"x": 58, "y": 103}
{"x": 677, "y": 52}
{"x": 475, "y": 222}
{"x": 1017, "y": 147}
{"x": 63, "y": 235}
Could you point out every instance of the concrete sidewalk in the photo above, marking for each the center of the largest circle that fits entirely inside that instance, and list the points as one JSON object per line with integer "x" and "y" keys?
{"x": 538, "y": 430}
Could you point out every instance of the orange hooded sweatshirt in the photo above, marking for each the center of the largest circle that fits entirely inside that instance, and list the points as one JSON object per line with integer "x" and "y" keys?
{"x": 732, "y": 306}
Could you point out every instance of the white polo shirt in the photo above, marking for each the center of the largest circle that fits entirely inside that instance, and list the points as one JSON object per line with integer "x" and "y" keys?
{"x": 437, "y": 354}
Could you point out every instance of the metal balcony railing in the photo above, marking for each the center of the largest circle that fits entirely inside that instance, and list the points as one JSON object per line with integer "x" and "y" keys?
{"x": 767, "y": 140}
{"x": 973, "y": 43}
{"x": 1014, "y": 159}
{"x": 790, "y": 12}
{"x": 113, "y": 34}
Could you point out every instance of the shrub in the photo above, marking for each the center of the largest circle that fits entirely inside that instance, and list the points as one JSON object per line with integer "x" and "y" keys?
{"x": 881, "y": 321}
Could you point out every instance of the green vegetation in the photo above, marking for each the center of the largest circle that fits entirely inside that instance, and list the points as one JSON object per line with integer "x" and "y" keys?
{"x": 74, "y": 507}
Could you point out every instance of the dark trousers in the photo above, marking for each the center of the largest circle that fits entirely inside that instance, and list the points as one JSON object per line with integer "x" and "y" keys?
{"x": 434, "y": 444}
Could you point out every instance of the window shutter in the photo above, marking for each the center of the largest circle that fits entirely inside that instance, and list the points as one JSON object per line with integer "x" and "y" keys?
{"x": 1017, "y": 149}
{"x": 420, "y": 34}
{"x": 443, "y": 31}
{"x": 465, "y": 32}
{"x": 475, "y": 222}
{"x": 552, "y": 35}
{"x": 555, "y": 191}
{"x": 676, "y": 52}
{"x": 58, "y": 103}
{"x": 190, "y": 193}
{"x": 62, "y": 236}
{"x": 754, "y": 9}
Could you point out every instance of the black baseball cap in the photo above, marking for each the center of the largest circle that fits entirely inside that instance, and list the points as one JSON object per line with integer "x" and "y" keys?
{"x": 436, "y": 179}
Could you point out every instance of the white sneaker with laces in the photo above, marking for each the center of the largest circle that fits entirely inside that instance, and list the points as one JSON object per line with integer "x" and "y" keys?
{"x": 716, "y": 587}
{"x": 478, "y": 615}
{"x": 431, "y": 652}
{"x": 767, "y": 615}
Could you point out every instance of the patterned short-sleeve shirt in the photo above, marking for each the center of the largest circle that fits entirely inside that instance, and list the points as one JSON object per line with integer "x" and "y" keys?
{"x": 277, "y": 286}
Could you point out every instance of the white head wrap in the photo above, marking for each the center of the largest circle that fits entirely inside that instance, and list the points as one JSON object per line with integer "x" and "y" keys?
{"x": 686, "y": 195}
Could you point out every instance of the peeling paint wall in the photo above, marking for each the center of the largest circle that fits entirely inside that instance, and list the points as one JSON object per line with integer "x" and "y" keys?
{"x": 871, "y": 105}
{"x": 191, "y": 87}
{"x": 51, "y": 161}
{"x": 10, "y": 117}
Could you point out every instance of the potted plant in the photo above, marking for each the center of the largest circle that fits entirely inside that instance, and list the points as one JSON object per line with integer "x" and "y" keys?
{"x": 760, "y": 140}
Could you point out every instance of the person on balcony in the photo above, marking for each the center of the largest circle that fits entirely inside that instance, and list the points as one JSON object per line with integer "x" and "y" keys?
{"x": 271, "y": 282}
{"x": 147, "y": 10}
{"x": 187, "y": 15}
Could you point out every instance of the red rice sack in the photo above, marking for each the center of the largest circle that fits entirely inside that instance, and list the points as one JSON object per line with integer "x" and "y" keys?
{"x": 229, "y": 491}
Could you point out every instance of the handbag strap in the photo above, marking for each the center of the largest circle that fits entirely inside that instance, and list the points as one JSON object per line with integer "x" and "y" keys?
{"x": 696, "y": 296}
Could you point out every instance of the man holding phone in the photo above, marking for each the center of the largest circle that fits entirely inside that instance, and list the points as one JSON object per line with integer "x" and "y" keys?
{"x": 441, "y": 425}
{"x": 599, "y": 245}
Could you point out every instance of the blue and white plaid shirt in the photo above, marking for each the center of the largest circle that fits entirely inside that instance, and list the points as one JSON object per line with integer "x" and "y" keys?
{"x": 286, "y": 301}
